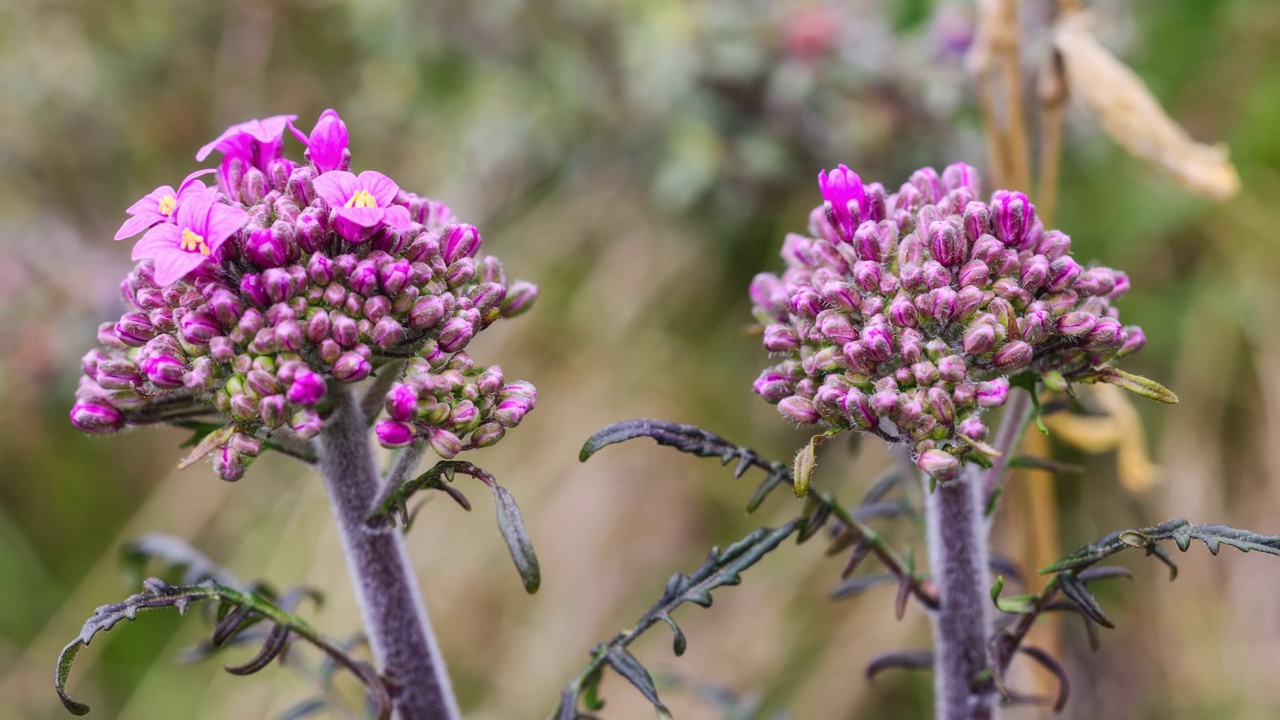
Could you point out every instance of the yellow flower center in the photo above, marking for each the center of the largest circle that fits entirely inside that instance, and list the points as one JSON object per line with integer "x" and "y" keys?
{"x": 192, "y": 242}
{"x": 362, "y": 198}
{"x": 167, "y": 204}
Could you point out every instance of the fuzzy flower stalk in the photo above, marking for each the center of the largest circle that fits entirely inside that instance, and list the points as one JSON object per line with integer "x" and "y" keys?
{"x": 905, "y": 315}
{"x": 259, "y": 300}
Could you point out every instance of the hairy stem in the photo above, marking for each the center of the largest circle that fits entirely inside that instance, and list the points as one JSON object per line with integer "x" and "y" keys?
{"x": 958, "y": 558}
{"x": 394, "y": 615}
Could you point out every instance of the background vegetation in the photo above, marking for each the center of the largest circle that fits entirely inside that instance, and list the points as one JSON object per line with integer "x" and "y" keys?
{"x": 641, "y": 160}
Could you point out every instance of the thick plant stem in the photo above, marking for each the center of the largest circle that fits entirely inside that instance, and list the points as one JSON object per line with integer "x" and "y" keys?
{"x": 386, "y": 590}
{"x": 961, "y": 626}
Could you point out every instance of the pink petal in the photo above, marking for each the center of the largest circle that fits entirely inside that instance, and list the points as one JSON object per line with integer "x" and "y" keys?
{"x": 365, "y": 217}
{"x": 191, "y": 182}
{"x": 224, "y": 221}
{"x": 193, "y": 213}
{"x": 382, "y": 188}
{"x": 176, "y": 264}
{"x": 151, "y": 201}
{"x": 266, "y": 130}
{"x": 158, "y": 240}
{"x": 139, "y": 222}
{"x": 328, "y": 142}
{"x": 302, "y": 137}
{"x": 336, "y": 187}
{"x": 397, "y": 218}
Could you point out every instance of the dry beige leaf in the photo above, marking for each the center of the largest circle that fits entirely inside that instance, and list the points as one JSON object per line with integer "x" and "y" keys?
{"x": 1132, "y": 116}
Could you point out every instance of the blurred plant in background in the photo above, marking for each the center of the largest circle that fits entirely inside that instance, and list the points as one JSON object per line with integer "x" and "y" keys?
{"x": 572, "y": 131}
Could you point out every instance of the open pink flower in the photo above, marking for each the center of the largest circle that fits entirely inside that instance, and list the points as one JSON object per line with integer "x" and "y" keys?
{"x": 256, "y": 142}
{"x": 362, "y": 204}
{"x": 159, "y": 205}
{"x": 200, "y": 226}
{"x": 327, "y": 144}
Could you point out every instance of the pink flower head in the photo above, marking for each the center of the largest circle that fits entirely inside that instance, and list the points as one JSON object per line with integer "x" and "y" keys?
{"x": 200, "y": 226}
{"x": 361, "y": 204}
{"x": 843, "y": 190}
{"x": 159, "y": 205}
{"x": 327, "y": 144}
{"x": 256, "y": 142}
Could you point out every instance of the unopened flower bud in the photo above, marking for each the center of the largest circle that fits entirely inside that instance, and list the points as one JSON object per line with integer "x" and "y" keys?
{"x": 227, "y": 464}
{"x": 444, "y": 443}
{"x": 979, "y": 339}
{"x": 487, "y": 434}
{"x": 1132, "y": 340}
{"x": 992, "y": 393}
{"x": 164, "y": 371}
{"x": 512, "y": 409}
{"x": 116, "y": 374}
{"x": 394, "y": 434}
{"x": 487, "y": 296}
{"x": 1053, "y": 245}
{"x": 134, "y": 329}
{"x": 947, "y": 243}
{"x": 1013, "y": 356}
{"x": 1105, "y": 333}
{"x": 351, "y": 367}
{"x": 938, "y": 464}
{"x": 773, "y": 386}
{"x": 1013, "y": 216}
{"x": 972, "y": 427}
{"x": 307, "y": 388}
{"x": 93, "y": 416}
{"x": 455, "y": 334}
{"x": 387, "y": 333}
{"x": 306, "y": 423}
{"x": 1076, "y": 324}
{"x": 459, "y": 241}
{"x": 272, "y": 409}
{"x": 952, "y": 368}
{"x": 265, "y": 249}
{"x": 1062, "y": 273}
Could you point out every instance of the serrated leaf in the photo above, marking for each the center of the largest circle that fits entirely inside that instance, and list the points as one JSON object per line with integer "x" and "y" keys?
{"x": 393, "y": 503}
{"x": 1179, "y": 530}
{"x": 159, "y": 594}
{"x": 177, "y": 554}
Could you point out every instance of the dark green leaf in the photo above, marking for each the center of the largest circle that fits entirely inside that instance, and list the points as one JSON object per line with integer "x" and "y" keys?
{"x": 1080, "y": 595}
{"x": 1178, "y": 530}
{"x": 860, "y": 584}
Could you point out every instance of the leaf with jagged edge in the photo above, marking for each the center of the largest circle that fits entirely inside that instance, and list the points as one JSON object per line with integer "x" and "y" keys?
{"x": 393, "y": 503}
{"x": 695, "y": 441}
{"x": 177, "y": 554}
{"x": 1179, "y": 530}
{"x": 159, "y": 594}
{"x": 1080, "y": 595}
{"x": 721, "y": 568}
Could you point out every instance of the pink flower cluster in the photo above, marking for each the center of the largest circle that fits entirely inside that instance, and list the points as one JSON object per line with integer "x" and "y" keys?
{"x": 251, "y": 296}
{"x": 905, "y": 314}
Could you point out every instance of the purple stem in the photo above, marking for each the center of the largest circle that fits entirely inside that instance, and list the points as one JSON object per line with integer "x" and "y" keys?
{"x": 386, "y": 590}
{"x": 962, "y": 624}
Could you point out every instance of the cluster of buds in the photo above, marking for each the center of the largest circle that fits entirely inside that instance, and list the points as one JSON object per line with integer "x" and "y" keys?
{"x": 905, "y": 314}
{"x": 252, "y": 296}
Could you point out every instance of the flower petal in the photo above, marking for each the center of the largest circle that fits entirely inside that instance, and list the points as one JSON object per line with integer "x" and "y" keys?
{"x": 382, "y": 188}
{"x": 151, "y": 201}
{"x": 224, "y": 221}
{"x": 190, "y": 181}
{"x": 365, "y": 217}
{"x": 176, "y": 264}
{"x": 397, "y": 218}
{"x": 139, "y": 222}
{"x": 193, "y": 213}
{"x": 158, "y": 240}
{"x": 336, "y": 187}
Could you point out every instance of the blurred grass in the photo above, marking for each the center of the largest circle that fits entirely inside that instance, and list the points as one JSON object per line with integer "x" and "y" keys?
{"x": 640, "y": 161}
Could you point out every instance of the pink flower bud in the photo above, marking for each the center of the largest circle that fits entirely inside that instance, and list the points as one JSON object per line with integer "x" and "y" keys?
{"x": 487, "y": 434}
{"x": 1076, "y": 324}
{"x": 938, "y": 464}
{"x": 1132, "y": 339}
{"x": 93, "y": 416}
{"x": 351, "y": 367}
{"x": 306, "y": 423}
{"x": 307, "y": 389}
{"x": 1013, "y": 356}
{"x": 272, "y": 409}
{"x": 393, "y": 433}
{"x": 1062, "y": 274}
{"x": 992, "y": 393}
{"x": 972, "y": 427}
{"x": 979, "y": 339}
{"x": 227, "y": 464}
{"x": 387, "y": 333}
{"x": 1013, "y": 215}
{"x": 947, "y": 243}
